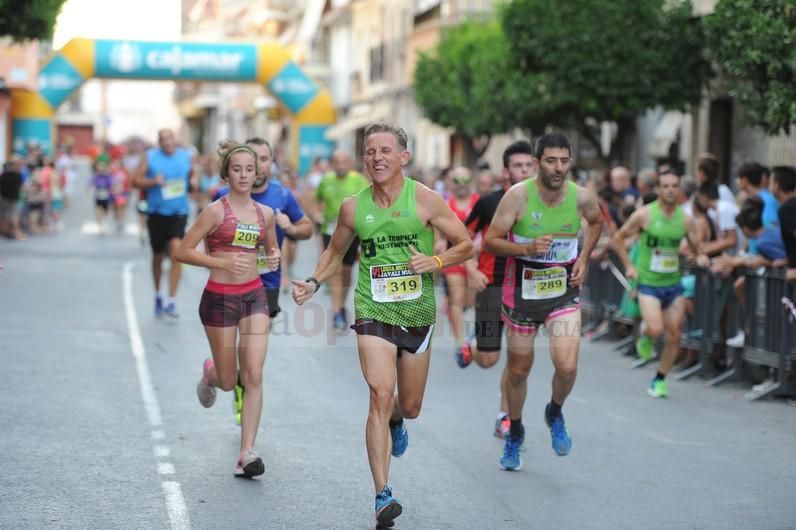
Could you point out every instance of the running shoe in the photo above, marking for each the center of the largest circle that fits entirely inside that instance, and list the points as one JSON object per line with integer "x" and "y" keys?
{"x": 204, "y": 390}
{"x": 511, "y": 460}
{"x": 238, "y": 403}
{"x": 400, "y": 439}
{"x": 464, "y": 355}
{"x": 562, "y": 443}
{"x": 658, "y": 388}
{"x": 387, "y": 507}
{"x": 158, "y": 306}
{"x": 645, "y": 348}
{"x": 248, "y": 465}
{"x": 502, "y": 426}
{"x": 339, "y": 320}
{"x": 171, "y": 310}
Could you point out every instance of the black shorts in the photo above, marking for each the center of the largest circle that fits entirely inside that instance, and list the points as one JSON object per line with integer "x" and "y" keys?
{"x": 102, "y": 203}
{"x": 537, "y": 312}
{"x": 410, "y": 340}
{"x": 164, "y": 228}
{"x": 224, "y": 305}
{"x": 350, "y": 255}
{"x": 488, "y": 324}
{"x": 272, "y": 293}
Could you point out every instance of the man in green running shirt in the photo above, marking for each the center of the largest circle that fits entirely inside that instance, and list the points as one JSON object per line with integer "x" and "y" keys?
{"x": 544, "y": 272}
{"x": 662, "y": 226}
{"x": 333, "y": 189}
{"x": 394, "y": 302}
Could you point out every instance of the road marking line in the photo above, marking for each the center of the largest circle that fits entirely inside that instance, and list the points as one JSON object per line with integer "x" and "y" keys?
{"x": 179, "y": 517}
{"x": 175, "y": 503}
{"x": 162, "y": 451}
{"x": 669, "y": 441}
{"x": 137, "y": 346}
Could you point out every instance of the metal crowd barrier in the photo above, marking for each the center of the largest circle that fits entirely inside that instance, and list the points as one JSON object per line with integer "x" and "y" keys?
{"x": 770, "y": 330}
{"x": 770, "y": 326}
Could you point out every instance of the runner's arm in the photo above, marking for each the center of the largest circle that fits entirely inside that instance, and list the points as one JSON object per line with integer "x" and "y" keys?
{"x": 272, "y": 253}
{"x": 210, "y": 218}
{"x": 443, "y": 219}
{"x": 505, "y": 216}
{"x": 301, "y": 226}
{"x": 343, "y": 236}
{"x": 139, "y": 175}
{"x": 589, "y": 208}
{"x": 631, "y": 228}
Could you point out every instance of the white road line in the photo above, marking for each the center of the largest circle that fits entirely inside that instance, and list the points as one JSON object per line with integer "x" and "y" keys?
{"x": 175, "y": 503}
{"x": 161, "y": 451}
{"x": 179, "y": 517}
{"x": 670, "y": 441}
{"x": 137, "y": 346}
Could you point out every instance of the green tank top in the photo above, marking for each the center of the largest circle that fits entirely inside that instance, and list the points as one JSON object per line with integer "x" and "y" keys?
{"x": 659, "y": 250}
{"x": 387, "y": 291}
{"x": 546, "y": 276}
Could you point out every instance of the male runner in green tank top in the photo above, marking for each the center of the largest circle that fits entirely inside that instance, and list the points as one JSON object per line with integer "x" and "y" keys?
{"x": 394, "y": 302}
{"x": 544, "y": 273}
{"x": 662, "y": 226}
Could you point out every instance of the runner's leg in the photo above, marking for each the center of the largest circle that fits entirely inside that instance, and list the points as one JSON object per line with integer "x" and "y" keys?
{"x": 377, "y": 358}
{"x": 251, "y": 354}
{"x": 672, "y": 324}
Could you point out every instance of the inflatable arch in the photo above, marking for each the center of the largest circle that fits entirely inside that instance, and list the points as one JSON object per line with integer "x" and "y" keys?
{"x": 32, "y": 113}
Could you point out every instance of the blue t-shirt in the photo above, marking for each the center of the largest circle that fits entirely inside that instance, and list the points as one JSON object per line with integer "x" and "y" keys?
{"x": 171, "y": 198}
{"x": 770, "y": 208}
{"x": 770, "y": 244}
{"x": 277, "y": 197}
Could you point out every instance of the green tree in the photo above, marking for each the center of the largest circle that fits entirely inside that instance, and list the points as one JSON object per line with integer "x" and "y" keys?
{"x": 609, "y": 61}
{"x": 467, "y": 84}
{"x": 754, "y": 43}
{"x": 29, "y": 19}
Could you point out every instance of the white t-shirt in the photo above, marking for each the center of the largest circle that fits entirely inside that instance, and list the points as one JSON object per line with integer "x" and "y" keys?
{"x": 724, "y": 218}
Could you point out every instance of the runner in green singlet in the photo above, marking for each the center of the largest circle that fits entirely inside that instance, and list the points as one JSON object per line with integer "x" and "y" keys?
{"x": 544, "y": 273}
{"x": 662, "y": 226}
{"x": 394, "y": 302}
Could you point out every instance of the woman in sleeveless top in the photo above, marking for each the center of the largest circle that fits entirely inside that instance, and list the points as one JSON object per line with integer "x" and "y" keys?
{"x": 237, "y": 231}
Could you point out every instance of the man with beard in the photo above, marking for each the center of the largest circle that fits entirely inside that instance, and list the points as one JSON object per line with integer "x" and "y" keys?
{"x": 544, "y": 273}
{"x": 662, "y": 225}
{"x": 290, "y": 220}
{"x": 487, "y": 277}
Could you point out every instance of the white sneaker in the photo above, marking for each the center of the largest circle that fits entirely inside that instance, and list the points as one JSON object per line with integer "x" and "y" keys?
{"x": 737, "y": 341}
{"x": 204, "y": 391}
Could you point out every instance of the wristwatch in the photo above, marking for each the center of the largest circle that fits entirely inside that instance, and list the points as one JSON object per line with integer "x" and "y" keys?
{"x": 315, "y": 281}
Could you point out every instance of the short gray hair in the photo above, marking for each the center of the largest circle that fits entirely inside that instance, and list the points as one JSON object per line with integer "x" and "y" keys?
{"x": 386, "y": 127}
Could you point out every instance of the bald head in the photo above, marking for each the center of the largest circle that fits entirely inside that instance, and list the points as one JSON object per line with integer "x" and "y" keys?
{"x": 620, "y": 179}
{"x": 342, "y": 163}
{"x": 167, "y": 141}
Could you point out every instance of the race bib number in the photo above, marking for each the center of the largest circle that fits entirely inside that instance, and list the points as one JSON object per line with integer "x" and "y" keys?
{"x": 173, "y": 189}
{"x": 394, "y": 283}
{"x": 262, "y": 265}
{"x": 541, "y": 284}
{"x": 103, "y": 195}
{"x": 246, "y": 236}
{"x": 665, "y": 261}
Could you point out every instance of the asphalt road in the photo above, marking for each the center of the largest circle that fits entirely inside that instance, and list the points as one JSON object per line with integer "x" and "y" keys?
{"x": 101, "y": 430}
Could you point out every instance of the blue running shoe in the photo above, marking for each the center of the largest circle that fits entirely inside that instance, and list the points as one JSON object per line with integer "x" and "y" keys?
{"x": 400, "y": 439}
{"x": 158, "y": 306}
{"x": 562, "y": 443}
{"x": 339, "y": 321}
{"x": 511, "y": 461}
{"x": 171, "y": 310}
{"x": 387, "y": 507}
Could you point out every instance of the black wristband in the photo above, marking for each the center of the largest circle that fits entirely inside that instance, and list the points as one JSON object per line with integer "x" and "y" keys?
{"x": 315, "y": 280}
